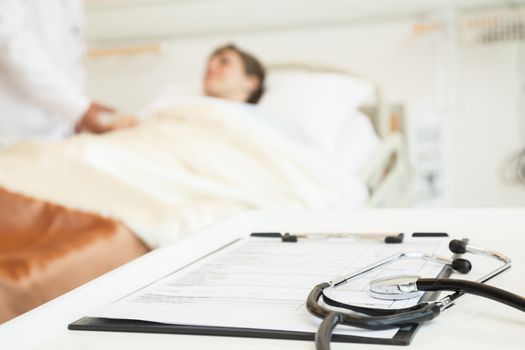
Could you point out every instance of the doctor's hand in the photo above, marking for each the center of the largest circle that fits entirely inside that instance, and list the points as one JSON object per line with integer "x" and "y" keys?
{"x": 100, "y": 119}
{"x": 95, "y": 119}
{"x": 121, "y": 122}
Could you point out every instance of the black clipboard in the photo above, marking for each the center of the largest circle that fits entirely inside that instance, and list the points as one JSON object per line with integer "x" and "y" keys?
{"x": 404, "y": 336}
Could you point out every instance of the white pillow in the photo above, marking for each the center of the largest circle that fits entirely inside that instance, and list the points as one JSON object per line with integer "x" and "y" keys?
{"x": 317, "y": 103}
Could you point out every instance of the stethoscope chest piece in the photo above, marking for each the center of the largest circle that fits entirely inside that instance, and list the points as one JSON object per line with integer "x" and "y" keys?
{"x": 399, "y": 287}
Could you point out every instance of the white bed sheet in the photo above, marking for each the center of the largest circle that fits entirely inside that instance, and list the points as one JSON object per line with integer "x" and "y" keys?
{"x": 355, "y": 144}
{"x": 181, "y": 170}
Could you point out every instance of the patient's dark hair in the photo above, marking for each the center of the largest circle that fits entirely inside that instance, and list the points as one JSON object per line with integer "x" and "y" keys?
{"x": 252, "y": 66}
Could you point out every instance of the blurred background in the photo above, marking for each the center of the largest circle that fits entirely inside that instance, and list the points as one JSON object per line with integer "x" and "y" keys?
{"x": 454, "y": 69}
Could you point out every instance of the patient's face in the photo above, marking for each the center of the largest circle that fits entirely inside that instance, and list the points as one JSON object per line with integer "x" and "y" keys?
{"x": 226, "y": 78}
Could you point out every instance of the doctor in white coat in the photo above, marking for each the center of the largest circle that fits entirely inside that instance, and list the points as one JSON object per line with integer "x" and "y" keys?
{"x": 41, "y": 72}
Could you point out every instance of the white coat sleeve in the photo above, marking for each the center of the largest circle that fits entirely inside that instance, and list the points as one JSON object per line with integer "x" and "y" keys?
{"x": 27, "y": 67}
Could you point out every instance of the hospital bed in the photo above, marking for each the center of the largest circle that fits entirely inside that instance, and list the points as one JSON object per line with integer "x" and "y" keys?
{"x": 386, "y": 170}
{"x": 53, "y": 248}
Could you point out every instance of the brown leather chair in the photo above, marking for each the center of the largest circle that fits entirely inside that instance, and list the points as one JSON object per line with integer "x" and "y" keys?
{"x": 47, "y": 250}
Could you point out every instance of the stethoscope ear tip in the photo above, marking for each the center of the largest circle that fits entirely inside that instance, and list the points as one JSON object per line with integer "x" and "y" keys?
{"x": 462, "y": 265}
{"x": 457, "y": 246}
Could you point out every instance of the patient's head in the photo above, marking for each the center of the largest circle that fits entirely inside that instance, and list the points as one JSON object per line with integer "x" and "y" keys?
{"x": 234, "y": 75}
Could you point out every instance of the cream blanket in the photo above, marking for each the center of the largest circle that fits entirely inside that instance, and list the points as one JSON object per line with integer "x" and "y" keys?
{"x": 179, "y": 171}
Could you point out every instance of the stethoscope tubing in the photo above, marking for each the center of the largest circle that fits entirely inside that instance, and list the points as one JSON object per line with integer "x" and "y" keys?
{"x": 470, "y": 287}
{"x": 324, "y": 333}
{"x": 403, "y": 317}
{"x": 377, "y": 319}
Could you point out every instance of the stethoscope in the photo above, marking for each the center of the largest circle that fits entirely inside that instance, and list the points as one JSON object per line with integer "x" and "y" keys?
{"x": 405, "y": 287}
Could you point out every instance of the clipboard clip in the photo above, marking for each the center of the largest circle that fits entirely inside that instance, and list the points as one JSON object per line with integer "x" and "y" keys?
{"x": 293, "y": 238}
{"x": 287, "y": 237}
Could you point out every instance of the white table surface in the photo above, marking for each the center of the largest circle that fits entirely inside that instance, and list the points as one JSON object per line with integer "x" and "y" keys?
{"x": 473, "y": 322}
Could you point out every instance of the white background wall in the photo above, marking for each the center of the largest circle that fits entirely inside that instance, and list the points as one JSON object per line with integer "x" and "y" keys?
{"x": 471, "y": 93}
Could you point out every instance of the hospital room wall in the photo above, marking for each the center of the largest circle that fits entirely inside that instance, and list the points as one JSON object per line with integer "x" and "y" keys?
{"x": 470, "y": 94}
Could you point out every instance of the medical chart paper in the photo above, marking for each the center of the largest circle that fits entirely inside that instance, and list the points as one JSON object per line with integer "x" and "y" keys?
{"x": 263, "y": 283}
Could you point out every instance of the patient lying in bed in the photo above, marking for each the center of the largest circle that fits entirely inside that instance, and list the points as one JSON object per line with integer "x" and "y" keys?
{"x": 185, "y": 166}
